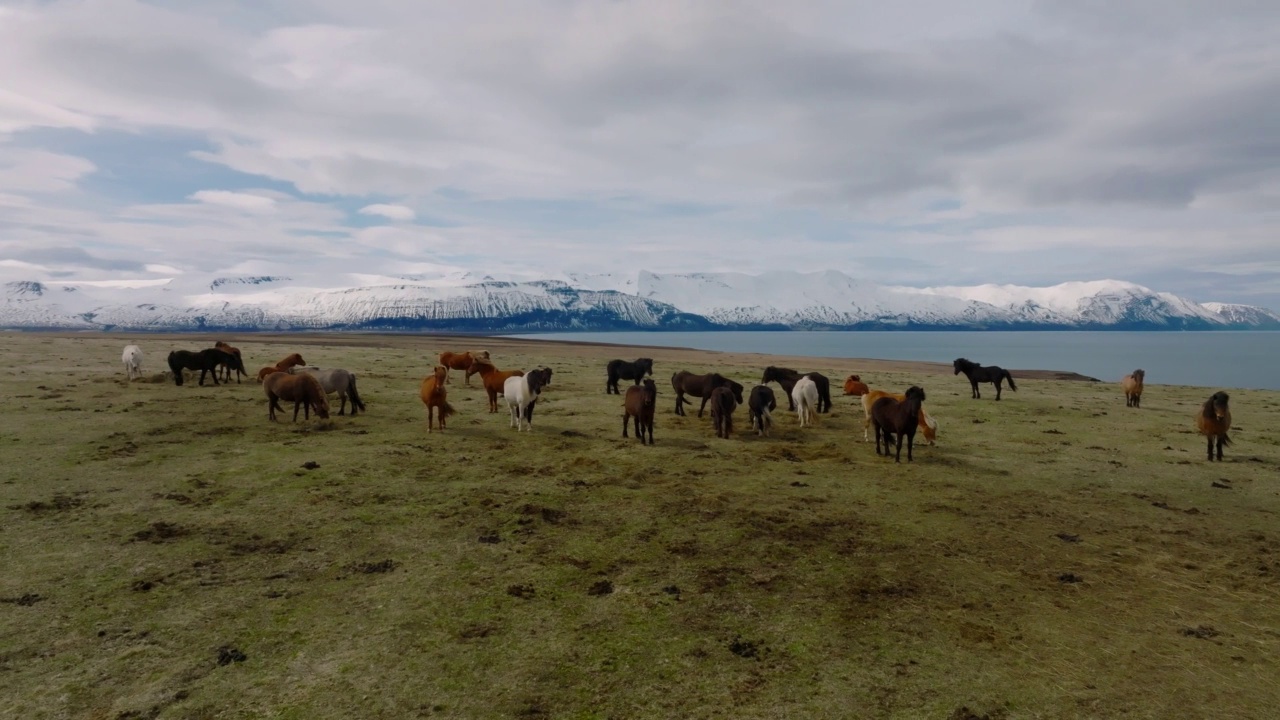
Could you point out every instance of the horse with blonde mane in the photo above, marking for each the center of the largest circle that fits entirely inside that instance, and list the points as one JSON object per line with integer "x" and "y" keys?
{"x": 303, "y": 389}
{"x": 434, "y": 396}
{"x": 1132, "y": 386}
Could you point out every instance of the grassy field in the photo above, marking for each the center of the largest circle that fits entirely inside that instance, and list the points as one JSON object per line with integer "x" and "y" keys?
{"x": 1057, "y": 555}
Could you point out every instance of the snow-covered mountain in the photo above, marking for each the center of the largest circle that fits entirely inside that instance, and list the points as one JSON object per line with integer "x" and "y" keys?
{"x": 645, "y": 300}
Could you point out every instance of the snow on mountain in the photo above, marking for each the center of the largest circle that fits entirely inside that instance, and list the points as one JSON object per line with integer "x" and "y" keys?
{"x": 465, "y": 301}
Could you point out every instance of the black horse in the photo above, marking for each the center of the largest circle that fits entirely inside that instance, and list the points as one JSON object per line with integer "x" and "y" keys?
{"x": 206, "y": 361}
{"x": 621, "y": 369}
{"x": 977, "y": 373}
{"x": 787, "y": 378}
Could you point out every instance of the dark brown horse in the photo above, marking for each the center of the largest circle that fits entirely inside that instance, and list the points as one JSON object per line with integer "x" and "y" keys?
{"x": 638, "y": 404}
{"x": 206, "y": 361}
{"x": 303, "y": 389}
{"x": 701, "y": 386}
{"x": 462, "y": 361}
{"x": 760, "y": 407}
{"x": 1214, "y": 420}
{"x": 722, "y": 406}
{"x": 623, "y": 370}
{"x": 787, "y": 378}
{"x": 897, "y": 418}
{"x": 978, "y": 373}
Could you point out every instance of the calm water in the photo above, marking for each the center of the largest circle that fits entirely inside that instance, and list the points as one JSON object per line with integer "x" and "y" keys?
{"x": 1216, "y": 359}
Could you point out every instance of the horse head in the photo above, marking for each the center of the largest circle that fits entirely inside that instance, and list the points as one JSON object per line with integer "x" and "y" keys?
{"x": 1139, "y": 375}
{"x": 1216, "y": 406}
{"x": 916, "y": 393}
{"x": 959, "y": 365}
{"x": 645, "y": 365}
{"x": 650, "y": 392}
{"x": 736, "y": 387}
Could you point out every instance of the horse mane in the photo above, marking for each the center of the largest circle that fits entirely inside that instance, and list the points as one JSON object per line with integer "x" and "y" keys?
{"x": 1206, "y": 410}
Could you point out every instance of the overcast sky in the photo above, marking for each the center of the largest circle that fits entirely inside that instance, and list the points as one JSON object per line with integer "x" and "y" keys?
{"x": 916, "y": 143}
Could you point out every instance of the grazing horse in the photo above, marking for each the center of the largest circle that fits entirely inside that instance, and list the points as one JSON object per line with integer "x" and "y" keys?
{"x": 289, "y": 361}
{"x": 433, "y": 396}
{"x": 462, "y": 361}
{"x": 723, "y": 404}
{"x": 1214, "y": 420}
{"x": 701, "y": 386}
{"x": 521, "y": 392}
{"x": 804, "y": 398}
{"x": 336, "y": 380}
{"x": 978, "y": 373}
{"x": 638, "y": 404}
{"x": 493, "y": 379}
{"x": 238, "y": 366}
{"x": 787, "y": 378}
{"x": 759, "y": 406}
{"x": 132, "y": 358}
{"x": 853, "y": 385}
{"x": 897, "y": 418}
{"x": 928, "y": 425}
{"x": 303, "y": 389}
{"x": 206, "y": 361}
{"x": 621, "y": 369}
{"x": 1132, "y": 386}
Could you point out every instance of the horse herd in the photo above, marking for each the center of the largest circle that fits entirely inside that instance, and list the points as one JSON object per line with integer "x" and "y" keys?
{"x": 892, "y": 415}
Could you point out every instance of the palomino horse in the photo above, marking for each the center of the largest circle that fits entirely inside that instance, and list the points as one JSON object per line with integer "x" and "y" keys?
{"x": 1132, "y": 386}
{"x": 461, "y": 361}
{"x": 1214, "y": 420}
{"x": 701, "y": 386}
{"x": 336, "y": 380}
{"x": 804, "y": 398}
{"x": 853, "y": 385}
{"x": 787, "y": 378}
{"x": 623, "y": 370}
{"x": 303, "y": 389}
{"x": 977, "y": 373}
{"x": 433, "y": 396}
{"x": 132, "y": 358}
{"x": 283, "y": 366}
{"x": 638, "y": 404}
{"x": 928, "y": 425}
{"x": 206, "y": 361}
{"x": 493, "y": 379}
{"x": 238, "y": 366}
{"x": 897, "y": 418}
{"x": 521, "y": 392}
{"x": 760, "y": 406}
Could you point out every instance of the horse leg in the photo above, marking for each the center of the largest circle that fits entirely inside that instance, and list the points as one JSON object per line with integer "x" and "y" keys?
{"x": 1220, "y": 447}
{"x": 911, "y": 441}
{"x": 1210, "y": 450}
{"x": 705, "y": 398}
{"x": 997, "y": 384}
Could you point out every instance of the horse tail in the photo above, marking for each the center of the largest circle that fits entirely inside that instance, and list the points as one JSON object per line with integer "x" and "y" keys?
{"x": 355, "y": 396}
{"x": 446, "y": 410}
{"x": 1009, "y": 377}
{"x": 1225, "y": 439}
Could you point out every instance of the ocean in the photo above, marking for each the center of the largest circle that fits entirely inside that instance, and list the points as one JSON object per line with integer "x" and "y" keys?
{"x": 1229, "y": 359}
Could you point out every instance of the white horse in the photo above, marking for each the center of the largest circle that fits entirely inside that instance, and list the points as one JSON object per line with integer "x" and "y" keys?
{"x": 521, "y": 393}
{"x": 132, "y": 358}
{"x": 805, "y": 396}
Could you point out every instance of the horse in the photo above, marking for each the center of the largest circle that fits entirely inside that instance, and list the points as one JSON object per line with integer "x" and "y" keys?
{"x": 723, "y": 404}
{"x": 461, "y": 361}
{"x": 132, "y": 358}
{"x": 521, "y": 392}
{"x": 804, "y": 398}
{"x": 289, "y": 361}
{"x": 1214, "y": 420}
{"x": 433, "y": 395}
{"x": 206, "y": 361}
{"x": 621, "y": 369}
{"x": 853, "y": 385}
{"x": 701, "y": 386}
{"x": 759, "y": 406}
{"x": 303, "y": 389}
{"x": 336, "y": 380}
{"x": 638, "y": 404}
{"x": 928, "y": 425}
{"x": 1132, "y": 386}
{"x": 546, "y": 372}
{"x": 978, "y": 373}
{"x": 897, "y": 418}
{"x": 238, "y": 366}
{"x": 787, "y": 378}
{"x": 493, "y": 379}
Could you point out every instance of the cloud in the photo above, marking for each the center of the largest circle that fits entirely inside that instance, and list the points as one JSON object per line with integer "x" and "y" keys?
{"x": 236, "y": 200}
{"x": 394, "y": 212}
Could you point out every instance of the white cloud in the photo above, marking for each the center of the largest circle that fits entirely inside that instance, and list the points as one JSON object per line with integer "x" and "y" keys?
{"x": 394, "y": 212}
{"x": 237, "y": 200}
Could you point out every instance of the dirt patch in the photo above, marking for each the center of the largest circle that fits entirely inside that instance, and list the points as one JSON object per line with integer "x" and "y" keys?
{"x": 489, "y": 537}
{"x": 370, "y": 568}
{"x": 24, "y": 600}
{"x": 59, "y": 503}
{"x": 1067, "y": 537}
{"x": 1204, "y": 632}
{"x": 310, "y": 465}
{"x": 228, "y": 655}
{"x": 603, "y": 587}
{"x": 160, "y": 532}
{"x": 524, "y": 592}
{"x": 964, "y": 713}
{"x": 477, "y": 631}
{"x": 550, "y": 515}
{"x": 749, "y": 649}
{"x": 1070, "y": 578}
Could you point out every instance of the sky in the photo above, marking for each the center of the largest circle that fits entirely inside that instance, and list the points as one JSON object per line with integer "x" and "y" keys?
{"x": 911, "y": 143}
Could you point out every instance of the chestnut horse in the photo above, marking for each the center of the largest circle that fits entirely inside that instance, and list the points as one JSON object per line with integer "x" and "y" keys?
{"x": 239, "y": 363}
{"x": 1132, "y": 386}
{"x": 928, "y": 425}
{"x": 282, "y": 366}
{"x": 1214, "y": 420}
{"x": 461, "y": 361}
{"x": 638, "y": 403}
{"x": 303, "y": 389}
{"x": 493, "y": 379}
{"x": 853, "y": 385}
{"x": 897, "y": 418}
{"x": 433, "y": 395}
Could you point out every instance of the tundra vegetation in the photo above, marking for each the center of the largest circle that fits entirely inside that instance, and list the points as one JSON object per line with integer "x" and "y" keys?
{"x": 170, "y": 553}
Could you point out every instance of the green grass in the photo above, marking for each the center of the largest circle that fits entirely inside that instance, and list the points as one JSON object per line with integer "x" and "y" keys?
{"x": 147, "y": 526}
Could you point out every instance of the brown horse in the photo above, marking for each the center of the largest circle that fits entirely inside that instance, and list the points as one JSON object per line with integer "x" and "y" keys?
{"x": 1132, "y": 386}
{"x": 897, "y": 418}
{"x": 492, "y": 378}
{"x": 303, "y": 389}
{"x": 638, "y": 403}
{"x": 928, "y": 425}
{"x": 289, "y": 361}
{"x": 461, "y": 361}
{"x": 853, "y": 385}
{"x": 701, "y": 386}
{"x": 239, "y": 363}
{"x": 722, "y": 406}
{"x": 433, "y": 396}
{"x": 1214, "y": 420}
{"x": 787, "y": 378}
